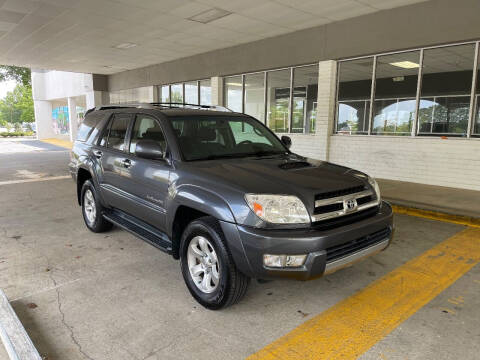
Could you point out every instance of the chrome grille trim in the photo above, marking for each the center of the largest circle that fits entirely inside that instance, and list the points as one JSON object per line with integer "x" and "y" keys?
{"x": 344, "y": 211}
{"x": 341, "y": 199}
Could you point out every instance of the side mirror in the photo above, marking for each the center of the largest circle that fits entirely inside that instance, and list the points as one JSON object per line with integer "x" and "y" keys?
{"x": 149, "y": 149}
{"x": 286, "y": 141}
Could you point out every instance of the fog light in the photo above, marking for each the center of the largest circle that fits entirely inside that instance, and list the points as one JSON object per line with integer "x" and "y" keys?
{"x": 295, "y": 260}
{"x": 283, "y": 260}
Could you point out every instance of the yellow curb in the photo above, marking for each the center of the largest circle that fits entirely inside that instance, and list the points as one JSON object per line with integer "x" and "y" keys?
{"x": 58, "y": 142}
{"x": 434, "y": 215}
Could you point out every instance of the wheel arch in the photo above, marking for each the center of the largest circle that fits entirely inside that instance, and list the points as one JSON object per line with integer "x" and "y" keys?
{"x": 191, "y": 203}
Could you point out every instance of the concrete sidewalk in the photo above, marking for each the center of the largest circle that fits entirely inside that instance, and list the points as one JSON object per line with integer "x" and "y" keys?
{"x": 434, "y": 198}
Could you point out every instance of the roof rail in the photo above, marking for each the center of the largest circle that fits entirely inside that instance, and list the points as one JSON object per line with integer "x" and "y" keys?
{"x": 165, "y": 105}
{"x": 177, "y": 105}
{"x": 122, "y": 106}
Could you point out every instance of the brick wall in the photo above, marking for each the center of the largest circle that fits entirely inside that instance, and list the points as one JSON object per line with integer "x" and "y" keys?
{"x": 433, "y": 161}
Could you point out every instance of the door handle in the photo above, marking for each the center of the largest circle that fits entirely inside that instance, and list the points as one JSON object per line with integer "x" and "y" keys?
{"x": 98, "y": 154}
{"x": 126, "y": 163}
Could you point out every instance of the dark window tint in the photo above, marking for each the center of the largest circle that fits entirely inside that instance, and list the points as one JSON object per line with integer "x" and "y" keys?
{"x": 87, "y": 126}
{"x": 118, "y": 130}
{"x": 104, "y": 136}
{"x": 146, "y": 128}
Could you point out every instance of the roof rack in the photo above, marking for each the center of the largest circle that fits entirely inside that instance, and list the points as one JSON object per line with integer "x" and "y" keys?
{"x": 165, "y": 105}
{"x": 177, "y": 105}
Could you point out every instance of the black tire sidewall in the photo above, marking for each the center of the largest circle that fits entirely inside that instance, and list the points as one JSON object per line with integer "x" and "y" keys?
{"x": 217, "y": 298}
{"x": 96, "y": 226}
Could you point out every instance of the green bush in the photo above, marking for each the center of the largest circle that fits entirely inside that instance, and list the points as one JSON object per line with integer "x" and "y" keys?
{"x": 16, "y": 133}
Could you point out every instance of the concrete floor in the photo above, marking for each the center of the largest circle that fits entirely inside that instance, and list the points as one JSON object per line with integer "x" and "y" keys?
{"x": 112, "y": 296}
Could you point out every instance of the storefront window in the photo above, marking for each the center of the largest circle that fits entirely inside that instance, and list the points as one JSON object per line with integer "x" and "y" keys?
{"x": 354, "y": 91}
{"x": 165, "y": 93}
{"x": 176, "y": 93}
{"x": 255, "y": 95}
{"x": 191, "y": 93}
{"x": 205, "y": 92}
{"x": 395, "y": 93}
{"x": 278, "y": 100}
{"x": 305, "y": 91}
{"x": 233, "y": 93}
{"x": 446, "y": 87}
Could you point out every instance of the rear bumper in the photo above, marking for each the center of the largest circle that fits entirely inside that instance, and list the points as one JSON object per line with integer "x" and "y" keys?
{"x": 248, "y": 245}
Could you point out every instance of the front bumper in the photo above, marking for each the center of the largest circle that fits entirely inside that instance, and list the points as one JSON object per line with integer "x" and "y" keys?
{"x": 327, "y": 250}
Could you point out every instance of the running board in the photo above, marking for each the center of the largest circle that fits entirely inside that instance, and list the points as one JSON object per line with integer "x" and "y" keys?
{"x": 141, "y": 229}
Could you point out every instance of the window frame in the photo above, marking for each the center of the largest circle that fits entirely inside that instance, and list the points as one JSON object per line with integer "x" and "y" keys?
{"x": 107, "y": 129}
{"x": 132, "y": 127}
{"x": 415, "y": 126}
{"x": 265, "y": 89}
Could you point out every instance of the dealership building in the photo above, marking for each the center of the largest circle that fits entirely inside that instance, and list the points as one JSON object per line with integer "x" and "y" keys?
{"x": 389, "y": 87}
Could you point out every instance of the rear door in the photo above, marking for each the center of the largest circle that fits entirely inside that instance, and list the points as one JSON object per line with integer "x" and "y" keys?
{"x": 112, "y": 155}
{"x": 147, "y": 181}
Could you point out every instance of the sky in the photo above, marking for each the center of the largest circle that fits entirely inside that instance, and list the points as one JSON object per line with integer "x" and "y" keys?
{"x": 6, "y": 86}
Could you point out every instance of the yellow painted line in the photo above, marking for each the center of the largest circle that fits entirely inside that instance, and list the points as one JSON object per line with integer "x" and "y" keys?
{"x": 351, "y": 327}
{"x": 58, "y": 142}
{"x": 434, "y": 215}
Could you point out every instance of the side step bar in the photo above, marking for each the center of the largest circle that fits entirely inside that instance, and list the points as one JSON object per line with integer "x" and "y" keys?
{"x": 141, "y": 229}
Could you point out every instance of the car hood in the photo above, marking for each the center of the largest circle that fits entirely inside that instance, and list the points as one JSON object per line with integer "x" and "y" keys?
{"x": 290, "y": 174}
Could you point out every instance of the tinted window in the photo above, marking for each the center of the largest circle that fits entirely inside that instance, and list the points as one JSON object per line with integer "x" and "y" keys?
{"x": 118, "y": 130}
{"x": 87, "y": 127}
{"x": 215, "y": 137}
{"x": 146, "y": 128}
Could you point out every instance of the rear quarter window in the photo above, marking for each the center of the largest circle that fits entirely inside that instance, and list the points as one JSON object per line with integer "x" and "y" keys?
{"x": 88, "y": 125}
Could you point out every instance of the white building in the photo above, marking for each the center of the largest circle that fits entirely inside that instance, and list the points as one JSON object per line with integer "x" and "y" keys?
{"x": 61, "y": 96}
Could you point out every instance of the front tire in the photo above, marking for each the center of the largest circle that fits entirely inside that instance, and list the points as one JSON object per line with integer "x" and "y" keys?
{"x": 207, "y": 266}
{"x": 92, "y": 209}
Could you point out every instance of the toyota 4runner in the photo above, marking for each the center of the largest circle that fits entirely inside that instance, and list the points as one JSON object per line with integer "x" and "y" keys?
{"x": 223, "y": 194}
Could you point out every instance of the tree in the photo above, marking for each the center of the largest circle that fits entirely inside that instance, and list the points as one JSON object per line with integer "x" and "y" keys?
{"x": 17, "y": 106}
{"x": 20, "y": 74}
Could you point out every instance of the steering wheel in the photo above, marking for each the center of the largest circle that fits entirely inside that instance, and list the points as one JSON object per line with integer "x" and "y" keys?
{"x": 245, "y": 142}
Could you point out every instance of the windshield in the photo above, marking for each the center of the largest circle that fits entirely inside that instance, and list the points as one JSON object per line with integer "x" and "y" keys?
{"x": 213, "y": 137}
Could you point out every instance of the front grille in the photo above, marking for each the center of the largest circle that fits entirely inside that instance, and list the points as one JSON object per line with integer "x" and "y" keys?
{"x": 342, "y": 250}
{"x": 343, "y": 192}
{"x": 344, "y": 220}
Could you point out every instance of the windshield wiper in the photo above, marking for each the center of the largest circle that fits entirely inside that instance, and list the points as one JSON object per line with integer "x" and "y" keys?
{"x": 267, "y": 153}
{"x": 240, "y": 155}
{"x": 220, "y": 156}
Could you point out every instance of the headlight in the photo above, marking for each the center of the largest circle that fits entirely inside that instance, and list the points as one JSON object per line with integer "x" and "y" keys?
{"x": 278, "y": 209}
{"x": 375, "y": 186}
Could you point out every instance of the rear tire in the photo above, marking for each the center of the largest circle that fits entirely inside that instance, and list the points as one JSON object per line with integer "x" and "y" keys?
{"x": 92, "y": 209}
{"x": 207, "y": 265}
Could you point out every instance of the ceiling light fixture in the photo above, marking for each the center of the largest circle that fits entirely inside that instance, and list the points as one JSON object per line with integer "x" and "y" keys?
{"x": 126, "y": 45}
{"x": 405, "y": 64}
{"x": 210, "y": 15}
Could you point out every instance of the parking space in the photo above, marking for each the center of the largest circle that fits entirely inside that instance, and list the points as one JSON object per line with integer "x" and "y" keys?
{"x": 82, "y": 295}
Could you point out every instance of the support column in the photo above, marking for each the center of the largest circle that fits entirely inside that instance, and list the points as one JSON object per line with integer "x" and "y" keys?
{"x": 96, "y": 98}
{"x": 43, "y": 119}
{"x": 72, "y": 117}
{"x": 327, "y": 77}
{"x": 216, "y": 82}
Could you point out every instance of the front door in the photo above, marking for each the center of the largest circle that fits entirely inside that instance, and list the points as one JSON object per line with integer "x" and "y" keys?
{"x": 146, "y": 181}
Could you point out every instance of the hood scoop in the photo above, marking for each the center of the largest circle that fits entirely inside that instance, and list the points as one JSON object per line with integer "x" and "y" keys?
{"x": 293, "y": 165}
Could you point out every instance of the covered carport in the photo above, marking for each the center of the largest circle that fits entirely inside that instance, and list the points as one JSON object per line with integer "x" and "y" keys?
{"x": 81, "y": 295}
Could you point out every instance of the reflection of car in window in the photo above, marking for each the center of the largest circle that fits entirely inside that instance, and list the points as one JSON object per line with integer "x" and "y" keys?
{"x": 223, "y": 194}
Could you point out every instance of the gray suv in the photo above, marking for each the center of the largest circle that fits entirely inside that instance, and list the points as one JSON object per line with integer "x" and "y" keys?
{"x": 223, "y": 194}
